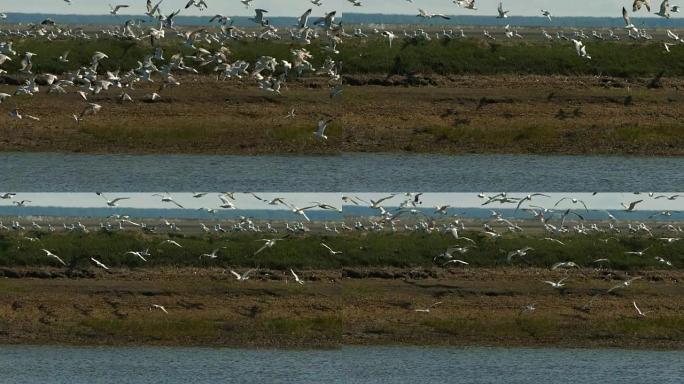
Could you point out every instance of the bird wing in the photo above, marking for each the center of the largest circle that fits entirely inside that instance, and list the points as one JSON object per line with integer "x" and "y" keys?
{"x": 625, "y": 16}
{"x": 237, "y": 275}
{"x": 119, "y": 199}
{"x": 261, "y": 249}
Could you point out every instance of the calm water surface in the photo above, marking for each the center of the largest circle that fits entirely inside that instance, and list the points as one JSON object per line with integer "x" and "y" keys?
{"x": 58, "y": 365}
{"x": 48, "y": 172}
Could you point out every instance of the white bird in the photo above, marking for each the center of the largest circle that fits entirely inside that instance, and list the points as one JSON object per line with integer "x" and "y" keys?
{"x": 297, "y": 279}
{"x": 167, "y": 199}
{"x": 427, "y": 15}
{"x": 50, "y": 254}
{"x": 212, "y": 255}
{"x": 159, "y": 307}
{"x": 112, "y": 203}
{"x": 557, "y": 285}
{"x": 664, "y": 9}
{"x": 113, "y": 10}
{"x": 625, "y": 284}
{"x": 243, "y": 277}
{"x": 322, "y": 126}
{"x": 428, "y": 309}
{"x": 581, "y": 49}
{"x": 546, "y": 14}
{"x": 502, "y": 14}
{"x": 99, "y": 264}
{"x": 268, "y": 243}
{"x": 139, "y": 254}
{"x": 330, "y": 250}
{"x": 639, "y": 312}
{"x": 171, "y": 242}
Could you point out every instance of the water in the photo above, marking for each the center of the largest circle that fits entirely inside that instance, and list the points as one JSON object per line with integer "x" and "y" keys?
{"x": 57, "y": 365}
{"x": 49, "y": 172}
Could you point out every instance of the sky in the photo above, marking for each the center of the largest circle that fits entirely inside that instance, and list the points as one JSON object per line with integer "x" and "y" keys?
{"x": 296, "y": 7}
{"x": 457, "y": 200}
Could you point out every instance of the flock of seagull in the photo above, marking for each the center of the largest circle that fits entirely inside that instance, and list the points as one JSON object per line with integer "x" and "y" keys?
{"x": 268, "y": 73}
{"x": 558, "y": 220}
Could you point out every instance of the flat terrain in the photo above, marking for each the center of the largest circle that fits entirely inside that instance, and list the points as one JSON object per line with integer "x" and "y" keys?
{"x": 452, "y": 114}
{"x": 352, "y": 307}
{"x": 366, "y": 295}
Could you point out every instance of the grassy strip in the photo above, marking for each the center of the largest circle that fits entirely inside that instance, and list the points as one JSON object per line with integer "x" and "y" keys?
{"x": 358, "y": 250}
{"x": 373, "y": 55}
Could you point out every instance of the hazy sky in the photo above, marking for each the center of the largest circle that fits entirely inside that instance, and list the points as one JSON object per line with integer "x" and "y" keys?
{"x": 296, "y": 7}
{"x": 456, "y": 200}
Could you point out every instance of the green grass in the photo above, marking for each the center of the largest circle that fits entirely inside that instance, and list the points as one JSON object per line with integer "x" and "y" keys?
{"x": 374, "y": 56}
{"x": 403, "y": 250}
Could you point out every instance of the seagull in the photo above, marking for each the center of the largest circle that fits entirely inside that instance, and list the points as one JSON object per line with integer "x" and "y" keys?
{"x": 520, "y": 253}
{"x": 428, "y": 309}
{"x": 390, "y": 37}
{"x": 50, "y": 254}
{"x": 7, "y": 195}
{"x": 639, "y": 312}
{"x": 112, "y": 203}
{"x": 159, "y": 307}
{"x": 624, "y": 284}
{"x": 455, "y": 261}
{"x": 291, "y": 114}
{"x": 631, "y": 206}
{"x": 574, "y": 201}
{"x": 168, "y": 241}
{"x": 673, "y": 197}
{"x": 259, "y": 17}
{"x": 529, "y": 198}
{"x": 212, "y": 255}
{"x": 304, "y": 19}
{"x": 546, "y": 14}
{"x": 113, "y": 10}
{"x": 99, "y": 264}
{"x": 639, "y": 3}
{"x": 502, "y": 14}
{"x": 167, "y": 199}
{"x": 297, "y": 279}
{"x": 628, "y": 22}
{"x": 152, "y": 10}
{"x": 638, "y": 253}
{"x": 426, "y": 15}
{"x": 268, "y": 243}
{"x": 664, "y": 9}
{"x": 320, "y": 133}
{"x": 243, "y": 277}
{"x": 330, "y": 250}
{"x": 557, "y": 285}
{"x": 551, "y": 239}
{"x": 138, "y": 254}
{"x": 564, "y": 264}
{"x": 21, "y": 203}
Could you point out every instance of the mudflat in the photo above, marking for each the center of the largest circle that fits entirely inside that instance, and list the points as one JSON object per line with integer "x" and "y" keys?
{"x": 409, "y": 113}
{"x": 354, "y": 306}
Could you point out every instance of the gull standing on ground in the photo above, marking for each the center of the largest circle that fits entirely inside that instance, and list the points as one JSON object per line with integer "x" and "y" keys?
{"x": 428, "y": 309}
